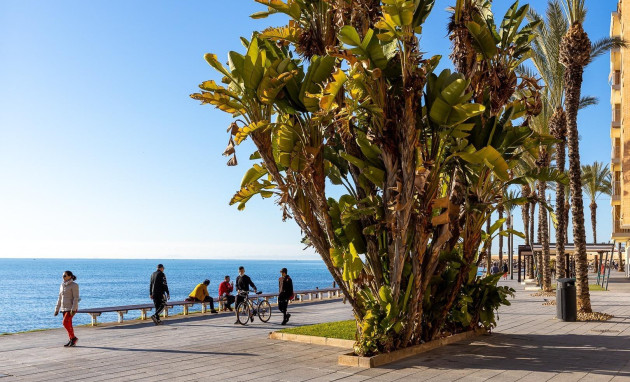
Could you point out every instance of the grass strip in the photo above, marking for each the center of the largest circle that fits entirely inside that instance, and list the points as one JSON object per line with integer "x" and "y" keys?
{"x": 344, "y": 330}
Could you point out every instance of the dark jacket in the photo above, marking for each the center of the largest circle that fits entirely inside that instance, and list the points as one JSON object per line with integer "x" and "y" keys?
{"x": 243, "y": 283}
{"x": 158, "y": 286}
{"x": 285, "y": 288}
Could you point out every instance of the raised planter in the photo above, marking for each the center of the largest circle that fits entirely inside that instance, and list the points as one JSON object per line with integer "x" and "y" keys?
{"x": 315, "y": 340}
{"x": 382, "y": 359}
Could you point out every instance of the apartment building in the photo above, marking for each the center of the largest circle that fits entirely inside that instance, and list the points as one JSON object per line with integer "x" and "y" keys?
{"x": 620, "y": 127}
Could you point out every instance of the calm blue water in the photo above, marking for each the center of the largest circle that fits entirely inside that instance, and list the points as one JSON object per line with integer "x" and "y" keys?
{"x": 29, "y": 287}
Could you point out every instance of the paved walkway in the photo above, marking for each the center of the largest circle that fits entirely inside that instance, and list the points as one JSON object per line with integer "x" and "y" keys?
{"x": 528, "y": 345}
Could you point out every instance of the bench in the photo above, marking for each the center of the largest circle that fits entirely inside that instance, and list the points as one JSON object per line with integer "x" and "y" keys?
{"x": 144, "y": 308}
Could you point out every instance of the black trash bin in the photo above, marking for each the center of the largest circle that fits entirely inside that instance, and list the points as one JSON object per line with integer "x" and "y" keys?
{"x": 566, "y": 300}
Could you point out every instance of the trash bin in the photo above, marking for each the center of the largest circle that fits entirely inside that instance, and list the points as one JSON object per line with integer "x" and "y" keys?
{"x": 566, "y": 300}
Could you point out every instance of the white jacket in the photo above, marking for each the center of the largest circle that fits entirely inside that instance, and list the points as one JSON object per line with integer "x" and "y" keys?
{"x": 68, "y": 297}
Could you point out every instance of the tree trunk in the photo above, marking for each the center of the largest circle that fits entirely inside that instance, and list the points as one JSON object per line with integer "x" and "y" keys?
{"x": 558, "y": 128}
{"x": 593, "y": 207}
{"x": 573, "y": 84}
{"x": 500, "y": 209}
{"x": 543, "y": 230}
{"x": 532, "y": 211}
{"x": 621, "y": 266}
{"x": 525, "y": 214}
{"x": 489, "y": 251}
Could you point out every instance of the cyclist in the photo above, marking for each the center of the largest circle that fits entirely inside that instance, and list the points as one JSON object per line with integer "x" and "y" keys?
{"x": 243, "y": 282}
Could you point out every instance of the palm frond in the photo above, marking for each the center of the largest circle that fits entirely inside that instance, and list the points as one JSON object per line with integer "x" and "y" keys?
{"x": 605, "y": 44}
{"x": 587, "y": 101}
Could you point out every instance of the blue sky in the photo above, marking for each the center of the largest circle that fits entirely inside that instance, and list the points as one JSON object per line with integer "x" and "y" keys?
{"x": 102, "y": 153}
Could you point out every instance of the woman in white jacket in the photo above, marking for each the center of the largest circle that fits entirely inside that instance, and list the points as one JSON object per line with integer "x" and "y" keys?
{"x": 68, "y": 304}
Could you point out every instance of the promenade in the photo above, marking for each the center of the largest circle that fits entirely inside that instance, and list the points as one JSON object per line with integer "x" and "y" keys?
{"x": 528, "y": 345}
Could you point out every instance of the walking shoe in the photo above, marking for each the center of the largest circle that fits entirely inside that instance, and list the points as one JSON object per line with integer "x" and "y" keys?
{"x": 288, "y": 316}
{"x": 284, "y": 321}
{"x": 155, "y": 320}
{"x": 230, "y": 309}
{"x": 160, "y": 322}
{"x": 236, "y": 322}
{"x": 68, "y": 344}
{"x": 213, "y": 311}
{"x": 251, "y": 318}
{"x": 74, "y": 341}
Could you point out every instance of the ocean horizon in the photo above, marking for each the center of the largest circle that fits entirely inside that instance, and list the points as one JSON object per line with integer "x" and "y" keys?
{"x": 30, "y": 286}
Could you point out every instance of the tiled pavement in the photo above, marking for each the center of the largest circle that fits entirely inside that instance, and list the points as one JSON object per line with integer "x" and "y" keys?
{"x": 528, "y": 345}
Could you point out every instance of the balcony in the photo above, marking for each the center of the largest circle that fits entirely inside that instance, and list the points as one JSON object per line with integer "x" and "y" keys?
{"x": 615, "y": 154}
{"x": 616, "y": 80}
{"x": 616, "y": 117}
{"x": 618, "y": 230}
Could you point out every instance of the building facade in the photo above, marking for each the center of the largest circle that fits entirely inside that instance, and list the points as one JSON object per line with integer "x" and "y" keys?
{"x": 620, "y": 127}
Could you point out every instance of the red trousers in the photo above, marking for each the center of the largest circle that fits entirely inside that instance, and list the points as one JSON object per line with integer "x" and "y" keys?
{"x": 67, "y": 323}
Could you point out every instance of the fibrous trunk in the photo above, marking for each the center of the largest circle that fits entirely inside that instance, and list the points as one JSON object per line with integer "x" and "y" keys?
{"x": 574, "y": 54}
{"x": 558, "y": 127}
{"x": 593, "y": 207}
{"x": 543, "y": 228}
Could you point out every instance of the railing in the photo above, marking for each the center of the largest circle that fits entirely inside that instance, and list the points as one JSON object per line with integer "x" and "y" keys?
{"x": 616, "y": 78}
{"x": 616, "y": 152}
{"x": 617, "y": 227}
{"x": 616, "y": 117}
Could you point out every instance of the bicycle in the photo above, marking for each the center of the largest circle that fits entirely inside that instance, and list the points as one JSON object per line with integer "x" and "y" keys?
{"x": 246, "y": 309}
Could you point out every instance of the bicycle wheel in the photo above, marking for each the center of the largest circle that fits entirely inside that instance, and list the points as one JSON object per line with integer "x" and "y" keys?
{"x": 242, "y": 313}
{"x": 264, "y": 311}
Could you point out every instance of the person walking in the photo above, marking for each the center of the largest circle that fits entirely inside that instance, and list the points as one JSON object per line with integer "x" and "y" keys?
{"x": 200, "y": 294}
{"x": 68, "y": 304}
{"x": 505, "y": 271}
{"x": 243, "y": 282}
{"x": 225, "y": 293}
{"x": 285, "y": 293}
{"x": 158, "y": 292}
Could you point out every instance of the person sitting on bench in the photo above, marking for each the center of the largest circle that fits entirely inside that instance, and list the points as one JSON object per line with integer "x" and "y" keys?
{"x": 200, "y": 294}
{"x": 225, "y": 293}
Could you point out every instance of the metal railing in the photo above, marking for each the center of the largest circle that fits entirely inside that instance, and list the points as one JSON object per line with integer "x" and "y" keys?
{"x": 616, "y": 78}
{"x": 616, "y": 117}
{"x": 617, "y": 227}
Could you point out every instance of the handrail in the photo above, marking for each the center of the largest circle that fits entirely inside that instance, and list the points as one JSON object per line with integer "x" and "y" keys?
{"x": 144, "y": 308}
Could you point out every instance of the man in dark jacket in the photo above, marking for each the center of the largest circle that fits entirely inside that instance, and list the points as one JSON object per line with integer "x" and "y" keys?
{"x": 285, "y": 289}
{"x": 243, "y": 282}
{"x": 158, "y": 292}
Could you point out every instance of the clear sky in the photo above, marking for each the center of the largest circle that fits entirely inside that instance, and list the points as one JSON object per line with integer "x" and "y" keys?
{"x": 103, "y": 154}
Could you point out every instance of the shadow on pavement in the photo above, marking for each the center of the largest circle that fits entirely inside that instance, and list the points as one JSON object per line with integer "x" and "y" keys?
{"x": 174, "y": 351}
{"x": 565, "y": 353}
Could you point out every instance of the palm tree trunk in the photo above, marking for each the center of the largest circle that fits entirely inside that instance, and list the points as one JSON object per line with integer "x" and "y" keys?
{"x": 558, "y": 127}
{"x": 525, "y": 214}
{"x": 575, "y": 46}
{"x": 621, "y": 266}
{"x": 532, "y": 211}
{"x": 500, "y": 208}
{"x": 543, "y": 228}
{"x": 489, "y": 251}
{"x": 593, "y": 207}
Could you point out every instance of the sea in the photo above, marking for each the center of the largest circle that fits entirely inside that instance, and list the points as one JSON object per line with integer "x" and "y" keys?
{"x": 29, "y": 287}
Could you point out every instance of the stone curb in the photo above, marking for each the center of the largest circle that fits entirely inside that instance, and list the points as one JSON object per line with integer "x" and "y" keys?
{"x": 382, "y": 359}
{"x": 314, "y": 340}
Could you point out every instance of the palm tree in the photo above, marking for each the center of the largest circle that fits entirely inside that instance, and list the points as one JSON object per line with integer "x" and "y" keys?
{"x": 575, "y": 54}
{"x": 509, "y": 203}
{"x": 577, "y": 51}
{"x": 500, "y": 209}
{"x": 596, "y": 180}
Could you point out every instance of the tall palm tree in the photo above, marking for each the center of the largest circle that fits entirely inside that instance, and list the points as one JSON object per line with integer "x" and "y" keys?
{"x": 546, "y": 49}
{"x": 575, "y": 54}
{"x": 596, "y": 180}
{"x": 500, "y": 210}
{"x": 577, "y": 51}
{"x": 510, "y": 202}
